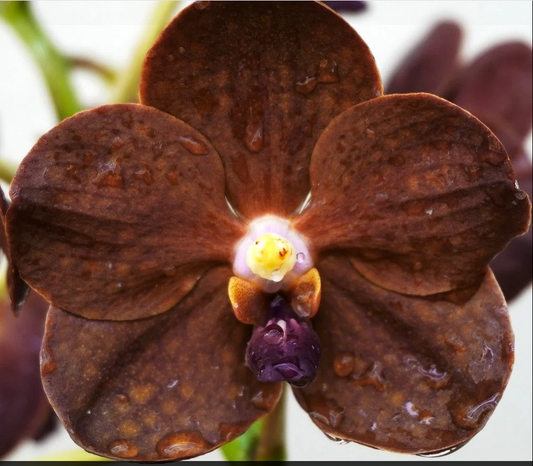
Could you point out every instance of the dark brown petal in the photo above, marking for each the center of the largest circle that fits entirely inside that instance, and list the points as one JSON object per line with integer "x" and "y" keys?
{"x": 17, "y": 288}
{"x": 118, "y": 211}
{"x": 431, "y": 65}
{"x": 168, "y": 387}
{"x": 23, "y": 404}
{"x": 407, "y": 374}
{"x": 497, "y": 88}
{"x": 513, "y": 266}
{"x": 261, "y": 80}
{"x": 418, "y": 191}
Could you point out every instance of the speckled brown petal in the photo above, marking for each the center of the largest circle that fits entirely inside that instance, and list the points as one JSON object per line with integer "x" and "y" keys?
{"x": 431, "y": 65}
{"x": 261, "y": 80}
{"x": 117, "y": 212}
{"x": 407, "y": 374}
{"x": 17, "y": 288}
{"x": 497, "y": 88}
{"x": 417, "y": 191}
{"x": 168, "y": 387}
{"x": 23, "y": 405}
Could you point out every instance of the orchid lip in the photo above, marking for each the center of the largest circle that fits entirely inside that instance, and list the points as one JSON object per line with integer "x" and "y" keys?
{"x": 285, "y": 348}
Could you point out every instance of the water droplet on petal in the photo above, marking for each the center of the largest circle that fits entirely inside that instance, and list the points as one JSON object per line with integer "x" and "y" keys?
{"x": 440, "y": 453}
{"x": 72, "y": 173}
{"x": 157, "y": 150}
{"x": 144, "y": 174}
{"x": 343, "y": 363}
{"x": 264, "y": 401}
{"x": 253, "y": 138}
{"x": 328, "y": 71}
{"x": 194, "y": 146}
{"x": 123, "y": 449}
{"x": 48, "y": 363}
{"x": 172, "y": 176}
{"x": 117, "y": 142}
{"x": 338, "y": 440}
{"x": 172, "y": 384}
{"x": 300, "y": 257}
{"x": 182, "y": 445}
{"x": 372, "y": 377}
{"x": 123, "y": 398}
{"x": 307, "y": 86}
{"x": 370, "y": 134}
{"x": 109, "y": 176}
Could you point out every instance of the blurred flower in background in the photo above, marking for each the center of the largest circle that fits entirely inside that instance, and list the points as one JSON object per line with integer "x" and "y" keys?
{"x": 24, "y": 409}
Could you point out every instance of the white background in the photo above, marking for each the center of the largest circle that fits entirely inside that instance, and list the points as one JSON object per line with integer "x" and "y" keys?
{"x": 108, "y": 31}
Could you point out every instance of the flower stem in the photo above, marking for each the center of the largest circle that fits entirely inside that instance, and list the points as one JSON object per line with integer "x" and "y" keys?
{"x": 127, "y": 86}
{"x": 55, "y": 67}
{"x": 271, "y": 445}
{"x": 107, "y": 74}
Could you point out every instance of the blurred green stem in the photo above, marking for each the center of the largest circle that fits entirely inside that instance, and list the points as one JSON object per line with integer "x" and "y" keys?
{"x": 127, "y": 86}
{"x": 54, "y": 66}
{"x": 271, "y": 446}
{"x": 264, "y": 441}
{"x": 7, "y": 170}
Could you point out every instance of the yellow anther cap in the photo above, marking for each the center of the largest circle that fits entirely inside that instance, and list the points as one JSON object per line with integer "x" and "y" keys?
{"x": 271, "y": 257}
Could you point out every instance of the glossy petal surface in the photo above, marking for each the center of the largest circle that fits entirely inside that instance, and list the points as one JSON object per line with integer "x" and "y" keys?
{"x": 431, "y": 65}
{"x": 23, "y": 404}
{"x": 169, "y": 387}
{"x": 407, "y": 374}
{"x": 117, "y": 212}
{"x": 261, "y": 80}
{"x": 418, "y": 192}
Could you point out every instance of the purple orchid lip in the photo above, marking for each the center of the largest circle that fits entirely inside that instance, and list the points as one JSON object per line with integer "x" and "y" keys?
{"x": 288, "y": 371}
{"x": 286, "y": 348}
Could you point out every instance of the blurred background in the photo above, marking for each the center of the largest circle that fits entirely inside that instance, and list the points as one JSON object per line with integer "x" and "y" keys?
{"x": 108, "y": 33}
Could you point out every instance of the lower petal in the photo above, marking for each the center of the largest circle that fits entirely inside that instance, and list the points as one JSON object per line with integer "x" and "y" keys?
{"x": 164, "y": 388}
{"x": 407, "y": 374}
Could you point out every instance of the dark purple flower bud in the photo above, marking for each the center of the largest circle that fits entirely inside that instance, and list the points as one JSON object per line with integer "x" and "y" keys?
{"x": 285, "y": 348}
{"x": 347, "y": 6}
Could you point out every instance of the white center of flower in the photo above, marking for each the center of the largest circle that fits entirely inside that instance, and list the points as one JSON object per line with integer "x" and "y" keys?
{"x": 272, "y": 255}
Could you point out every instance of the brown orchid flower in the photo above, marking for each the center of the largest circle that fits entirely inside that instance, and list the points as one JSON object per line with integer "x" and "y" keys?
{"x": 496, "y": 87}
{"x": 373, "y": 299}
